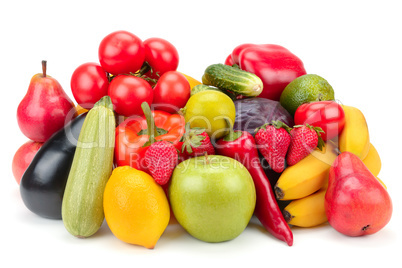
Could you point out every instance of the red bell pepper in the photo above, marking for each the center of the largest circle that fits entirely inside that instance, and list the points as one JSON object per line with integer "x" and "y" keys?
{"x": 274, "y": 64}
{"x": 241, "y": 146}
{"x": 328, "y": 115}
{"x": 136, "y": 133}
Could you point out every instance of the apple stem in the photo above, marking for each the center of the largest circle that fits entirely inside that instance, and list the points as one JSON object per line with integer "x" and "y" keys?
{"x": 44, "y": 68}
{"x": 206, "y": 158}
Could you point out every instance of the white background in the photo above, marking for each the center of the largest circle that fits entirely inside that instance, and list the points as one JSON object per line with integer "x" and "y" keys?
{"x": 355, "y": 45}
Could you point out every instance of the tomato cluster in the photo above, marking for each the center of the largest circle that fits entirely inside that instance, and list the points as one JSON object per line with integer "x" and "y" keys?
{"x": 132, "y": 71}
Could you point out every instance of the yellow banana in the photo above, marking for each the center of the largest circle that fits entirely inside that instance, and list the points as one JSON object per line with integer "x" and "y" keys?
{"x": 354, "y": 137}
{"x": 308, "y": 211}
{"x": 193, "y": 82}
{"x": 307, "y": 176}
{"x": 373, "y": 161}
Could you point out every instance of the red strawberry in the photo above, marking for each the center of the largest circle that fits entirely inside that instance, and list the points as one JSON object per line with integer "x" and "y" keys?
{"x": 305, "y": 139}
{"x": 196, "y": 142}
{"x": 273, "y": 142}
{"x": 161, "y": 159}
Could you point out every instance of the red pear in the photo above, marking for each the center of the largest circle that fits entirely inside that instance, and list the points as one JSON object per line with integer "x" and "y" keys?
{"x": 356, "y": 203}
{"x": 45, "y": 109}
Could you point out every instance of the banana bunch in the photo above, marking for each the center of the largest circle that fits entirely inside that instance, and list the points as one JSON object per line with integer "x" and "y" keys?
{"x": 309, "y": 211}
{"x": 305, "y": 183}
{"x": 354, "y": 137}
{"x": 308, "y": 175}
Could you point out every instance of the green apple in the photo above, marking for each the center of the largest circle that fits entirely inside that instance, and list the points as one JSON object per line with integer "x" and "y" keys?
{"x": 212, "y": 197}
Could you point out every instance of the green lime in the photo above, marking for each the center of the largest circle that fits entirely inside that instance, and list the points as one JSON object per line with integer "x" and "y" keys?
{"x": 305, "y": 88}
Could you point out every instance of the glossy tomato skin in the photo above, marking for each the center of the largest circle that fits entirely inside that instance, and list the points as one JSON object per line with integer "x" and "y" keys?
{"x": 89, "y": 83}
{"x": 128, "y": 92}
{"x": 327, "y": 115}
{"x": 171, "y": 92}
{"x": 121, "y": 52}
{"x": 161, "y": 55}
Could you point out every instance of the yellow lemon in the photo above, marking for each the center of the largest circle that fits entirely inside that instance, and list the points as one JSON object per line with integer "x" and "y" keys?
{"x": 136, "y": 207}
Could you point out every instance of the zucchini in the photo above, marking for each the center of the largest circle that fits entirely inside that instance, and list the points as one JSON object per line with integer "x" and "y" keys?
{"x": 233, "y": 79}
{"x": 202, "y": 87}
{"x": 82, "y": 206}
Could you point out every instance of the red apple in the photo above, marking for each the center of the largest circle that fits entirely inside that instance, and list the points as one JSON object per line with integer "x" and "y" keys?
{"x": 356, "y": 203}
{"x": 23, "y": 157}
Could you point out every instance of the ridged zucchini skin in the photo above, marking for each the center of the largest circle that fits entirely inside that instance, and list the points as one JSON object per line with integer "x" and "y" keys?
{"x": 82, "y": 207}
{"x": 233, "y": 79}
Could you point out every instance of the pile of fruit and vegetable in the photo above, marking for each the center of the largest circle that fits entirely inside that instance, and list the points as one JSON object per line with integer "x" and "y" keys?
{"x": 145, "y": 144}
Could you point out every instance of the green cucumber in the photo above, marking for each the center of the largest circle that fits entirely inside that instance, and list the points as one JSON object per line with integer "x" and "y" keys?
{"x": 202, "y": 87}
{"x": 233, "y": 79}
{"x": 82, "y": 206}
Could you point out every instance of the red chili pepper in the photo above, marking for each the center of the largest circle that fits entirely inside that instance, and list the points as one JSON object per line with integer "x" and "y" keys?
{"x": 274, "y": 64}
{"x": 241, "y": 146}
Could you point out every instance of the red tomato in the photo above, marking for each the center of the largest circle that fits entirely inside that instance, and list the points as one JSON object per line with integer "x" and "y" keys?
{"x": 127, "y": 92}
{"x": 121, "y": 52}
{"x": 161, "y": 55}
{"x": 89, "y": 83}
{"x": 327, "y": 115}
{"x": 171, "y": 92}
{"x": 23, "y": 157}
